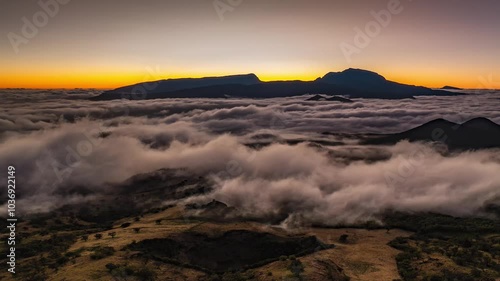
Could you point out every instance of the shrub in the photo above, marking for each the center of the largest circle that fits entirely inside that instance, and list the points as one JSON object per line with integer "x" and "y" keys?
{"x": 296, "y": 267}
{"x": 230, "y": 276}
{"x": 124, "y": 271}
{"x": 145, "y": 274}
{"x": 102, "y": 252}
{"x": 125, "y": 225}
{"x": 343, "y": 238}
{"x": 111, "y": 266}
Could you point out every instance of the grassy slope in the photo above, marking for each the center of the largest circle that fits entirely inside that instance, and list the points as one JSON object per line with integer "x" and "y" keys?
{"x": 366, "y": 257}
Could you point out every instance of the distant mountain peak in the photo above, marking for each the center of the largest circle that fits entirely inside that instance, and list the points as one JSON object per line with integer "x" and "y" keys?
{"x": 440, "y": 121}
{"x": 363, "y": 71}
{"x": 329, "y": 98}
{"x": 316, "y": 98}
{"x": 477, "y": 133}
{"x": 480, "y": 123}
{"x": 179, "y": 84}
{"x": 234, "y": 76}
{"x": 354, "y": 74}
{"x": 450, "y": 88}
{"x": 251, "y": 76}
{"x": 352, "y": 83}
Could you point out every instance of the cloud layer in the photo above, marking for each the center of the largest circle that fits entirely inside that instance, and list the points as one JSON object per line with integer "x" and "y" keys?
{"x": 62, "y": 141}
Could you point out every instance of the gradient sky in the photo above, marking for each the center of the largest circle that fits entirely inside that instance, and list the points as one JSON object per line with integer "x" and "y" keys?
{"x": 105, "y": 44}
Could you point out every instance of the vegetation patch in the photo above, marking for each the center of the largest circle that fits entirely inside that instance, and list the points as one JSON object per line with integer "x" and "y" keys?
{"x": 233, "y": 251}
{"x": 127, "y": 272}
{"x": 101, "y": 252}
{"x": 470, "y": 244}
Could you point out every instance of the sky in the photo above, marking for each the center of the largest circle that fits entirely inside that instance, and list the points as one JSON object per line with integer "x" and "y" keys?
{"x": 106, "y": 44}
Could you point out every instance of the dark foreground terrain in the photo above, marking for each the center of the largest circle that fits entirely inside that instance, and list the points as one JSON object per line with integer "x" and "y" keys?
{"x": 123, "y": 238}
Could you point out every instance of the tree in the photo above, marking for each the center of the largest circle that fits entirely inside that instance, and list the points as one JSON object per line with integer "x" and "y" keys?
{"x": 98, "y": 236}
{"x": 296, "y": 267}
{"x": 111, "y": 266}
{"x": 343, "y": 238}
{"x": 146, "y": 274}
{"x": 102, "y": 252}
{"x": 125, "y": 225}
{"x": 112, "y": 234}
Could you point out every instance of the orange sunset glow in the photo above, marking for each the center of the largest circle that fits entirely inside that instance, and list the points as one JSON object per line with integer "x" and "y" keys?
{"x": 115, "y": 78}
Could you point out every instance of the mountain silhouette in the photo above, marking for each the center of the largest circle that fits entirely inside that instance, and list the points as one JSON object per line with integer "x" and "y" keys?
{"x": 478, "y": 133}
{"x": 450, "y": 88}
{"x": 175, "y": 85}
{"x": 340, "y": 99}
{"x": 316, "y": 98}
{"x": 334, "y": 98}
{"x": 374, "y": 85}
{"x": 353, "y": 76}
{"x": 355, "y": 83}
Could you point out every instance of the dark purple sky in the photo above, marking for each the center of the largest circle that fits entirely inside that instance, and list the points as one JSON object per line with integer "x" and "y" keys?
{"x": 109, "y": 43}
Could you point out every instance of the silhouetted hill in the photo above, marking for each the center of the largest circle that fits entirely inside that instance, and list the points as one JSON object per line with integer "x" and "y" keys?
{"x": 373, "y": 85}
{"x": 316, "y": 98}
{"x": 339, "y": 99}
{"x": 477, "y": 133}
{"x": 450, "y": 88}
{"x": 164, "y": 184}
{"x": 173, "y": 85}
{"x": 352, "y": 76}
{"x": 322, "y": 98}
{"x": 354, "y": 83}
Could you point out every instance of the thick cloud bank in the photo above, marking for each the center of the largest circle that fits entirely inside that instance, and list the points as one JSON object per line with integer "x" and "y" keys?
{"x": 62, "y": 144}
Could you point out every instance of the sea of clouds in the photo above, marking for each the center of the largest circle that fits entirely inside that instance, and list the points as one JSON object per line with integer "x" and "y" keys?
{"x": 59, "y": 141}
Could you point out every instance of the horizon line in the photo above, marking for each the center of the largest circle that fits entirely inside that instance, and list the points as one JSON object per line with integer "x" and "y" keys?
{"x": 117, "y": 82}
